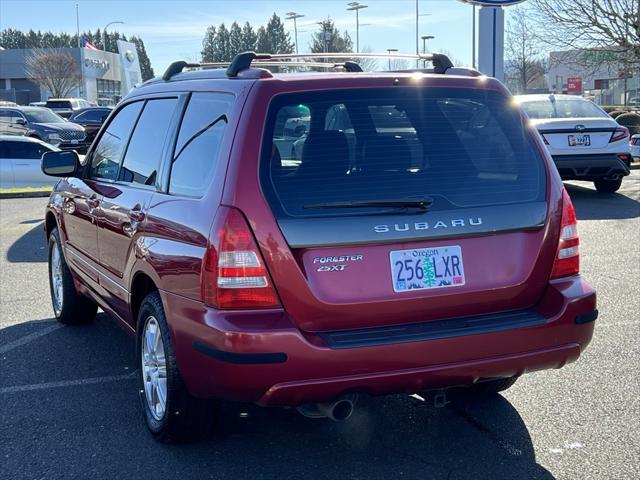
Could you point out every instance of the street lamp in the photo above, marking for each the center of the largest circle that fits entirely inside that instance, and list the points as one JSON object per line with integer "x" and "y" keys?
{"x": 294, "y": 16}
{"x": 357, "y": 7}
{"x": 389, "y": 50}
{"x": 424, "y": 46}
{"x": 104, "y": 32}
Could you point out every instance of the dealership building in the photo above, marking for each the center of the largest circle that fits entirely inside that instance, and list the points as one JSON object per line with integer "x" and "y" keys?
{"x": 106, "y": 76}
{"x": 596, "y": 73}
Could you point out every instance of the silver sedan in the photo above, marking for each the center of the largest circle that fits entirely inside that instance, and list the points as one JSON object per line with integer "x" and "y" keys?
{"x": 20, "y": 162}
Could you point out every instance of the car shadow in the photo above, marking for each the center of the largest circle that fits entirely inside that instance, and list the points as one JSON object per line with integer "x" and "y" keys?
{"x": 591, "y": 205}
{"x": 30, "y": 247}
{"x": 387, "y": 437}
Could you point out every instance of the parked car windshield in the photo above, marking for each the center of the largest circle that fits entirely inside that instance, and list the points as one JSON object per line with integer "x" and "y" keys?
{"x": 42, "y": 116}
{"x": 561, "y": 108}
{"x": 453, "y": 148}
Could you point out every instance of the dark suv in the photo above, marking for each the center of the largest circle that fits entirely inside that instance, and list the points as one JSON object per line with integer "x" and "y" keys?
{"x": 43, "y": 124}
{"x": 427, "y": 243}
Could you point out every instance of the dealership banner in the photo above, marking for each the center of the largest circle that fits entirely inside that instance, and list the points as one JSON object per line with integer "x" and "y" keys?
{"x": 131, "y": 74}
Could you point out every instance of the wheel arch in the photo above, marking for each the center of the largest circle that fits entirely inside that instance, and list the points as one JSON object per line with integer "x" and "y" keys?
{"x": 50, "y": 222}
{"x": 141, "y": 285}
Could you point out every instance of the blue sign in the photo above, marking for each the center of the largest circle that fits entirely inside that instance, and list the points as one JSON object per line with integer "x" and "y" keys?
{"x": 493, "y": 3}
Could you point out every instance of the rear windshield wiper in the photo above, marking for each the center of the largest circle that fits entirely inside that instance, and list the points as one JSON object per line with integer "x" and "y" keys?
{"x": 421, "y": 204}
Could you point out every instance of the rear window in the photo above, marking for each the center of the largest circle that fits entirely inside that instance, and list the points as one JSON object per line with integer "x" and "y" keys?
{"x": 457, "y": 148}
{"x": 561, "y": 108}
{"x": 58, "y": 104}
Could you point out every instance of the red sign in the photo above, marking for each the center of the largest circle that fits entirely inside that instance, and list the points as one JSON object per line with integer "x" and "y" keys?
{"x": 574, "y": 85}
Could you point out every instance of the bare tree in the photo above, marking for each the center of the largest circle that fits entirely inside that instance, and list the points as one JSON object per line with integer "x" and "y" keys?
{"x": 56, "y": 70}
{"x": 367, "y": 64}
{"x": 605, "y": 25}
{"x": 522, "y": 48}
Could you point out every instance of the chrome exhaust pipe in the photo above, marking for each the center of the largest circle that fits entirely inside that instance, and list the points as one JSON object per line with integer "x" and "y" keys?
{"x": 337, "y": 410}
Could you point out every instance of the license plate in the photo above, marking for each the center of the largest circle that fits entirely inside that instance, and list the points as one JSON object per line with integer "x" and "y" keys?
{"x": 426, "y": 268}
{"x": 579, "y": 140}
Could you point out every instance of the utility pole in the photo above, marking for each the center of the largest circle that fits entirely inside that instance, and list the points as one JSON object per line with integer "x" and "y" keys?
{"x": 81, "y": 53}
{"x": 294, "y": 16}
{"x": 357, "y": 6}
{"x": 627, "y": 18}
{"x": 78, "y": 25}
{"x": 473, "y": 39}
{"x": 417, "y": 31}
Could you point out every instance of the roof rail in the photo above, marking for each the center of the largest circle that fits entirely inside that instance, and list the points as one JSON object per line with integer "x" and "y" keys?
{"x": 244, "y": 60}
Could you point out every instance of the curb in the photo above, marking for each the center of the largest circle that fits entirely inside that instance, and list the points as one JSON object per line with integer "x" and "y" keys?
{"x": 30, "y": 194}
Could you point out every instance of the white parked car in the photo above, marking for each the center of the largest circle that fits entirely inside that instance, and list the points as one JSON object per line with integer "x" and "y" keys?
{"x": 20, "y": 162}
{"x": 635, "y": 146}
{"x": 584, "y": 141}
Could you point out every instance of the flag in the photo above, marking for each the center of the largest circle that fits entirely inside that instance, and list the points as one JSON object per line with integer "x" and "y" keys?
{"x": 87, "y": 44}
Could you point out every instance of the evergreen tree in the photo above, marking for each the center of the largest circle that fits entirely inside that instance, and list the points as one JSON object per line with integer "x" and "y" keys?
{"x": 10, "y": 38}
{"x": 34, "y": 39}
{"x": 329, "y": 34}
{"x": 279, "y": 40}
{"x": 235, "y": 40}
{"x": 263, "y": 45}
{"x": 222, "y": 51}
{"x": 249, "y": 38}
{"x": 145, "y": 63}
{"x": 208, "y": 44}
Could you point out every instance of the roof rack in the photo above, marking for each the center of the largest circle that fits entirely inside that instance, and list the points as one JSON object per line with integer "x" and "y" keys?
{"x": 245, "y": 60}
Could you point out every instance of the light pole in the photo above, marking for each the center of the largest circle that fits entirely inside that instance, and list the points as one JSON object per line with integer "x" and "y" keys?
{"x": 473, "y": 39}
{"x": 104, "y": 33}
{"x": 357, "y": 6}
{"x": 424, "y": 46}
{"x": 389, "y": 50}
{"x": 294, "y": 16}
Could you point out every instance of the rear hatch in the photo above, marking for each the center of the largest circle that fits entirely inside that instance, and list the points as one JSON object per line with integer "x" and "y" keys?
{"x": 402, "y": 205}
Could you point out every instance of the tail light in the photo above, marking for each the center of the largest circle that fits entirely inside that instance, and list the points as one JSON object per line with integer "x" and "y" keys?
{"x": 635, "y": 141}
{"x": 234, "y": 274}
{"x": 619, "y": 134}
{"x": 567, "y": 260}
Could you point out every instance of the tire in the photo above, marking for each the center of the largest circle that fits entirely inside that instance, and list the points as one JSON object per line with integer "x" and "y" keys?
{"x": 182, "y": 418}
{"x": 490, "y": 387}
{"x": 607, "y": 186}
{"x": 69, "y": 306}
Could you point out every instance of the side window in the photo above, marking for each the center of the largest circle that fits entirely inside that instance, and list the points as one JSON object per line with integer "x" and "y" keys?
{"x": 198, "y": 146}
{"x": 24, "y": 150}
{"x": 5, "y": 116}
{"x": 107, "y": 154}
{"x": 142, "y": 160}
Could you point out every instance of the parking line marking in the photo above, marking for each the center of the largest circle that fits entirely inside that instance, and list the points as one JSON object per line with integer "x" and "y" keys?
{"x": 67, "y": 383}
{"x": 28, "y": 338}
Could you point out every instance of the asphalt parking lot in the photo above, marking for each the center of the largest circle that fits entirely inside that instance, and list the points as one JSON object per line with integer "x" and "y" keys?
{"x": 69, "y": 408}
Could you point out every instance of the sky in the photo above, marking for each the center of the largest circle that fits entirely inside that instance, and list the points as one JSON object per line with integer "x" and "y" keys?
{"x": 173, "y": 29}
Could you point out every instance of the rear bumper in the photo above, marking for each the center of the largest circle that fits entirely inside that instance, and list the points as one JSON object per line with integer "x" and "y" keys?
{"x": 590, "y": 167}
{"x": 262, "y": 357}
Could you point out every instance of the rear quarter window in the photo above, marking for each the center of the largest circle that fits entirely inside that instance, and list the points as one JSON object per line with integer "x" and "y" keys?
{"x": 198, "y": 145}
{"x": 459, "y": 147}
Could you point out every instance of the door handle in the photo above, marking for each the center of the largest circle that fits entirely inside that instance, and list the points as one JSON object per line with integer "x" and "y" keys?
{"x": 136, "y": 215}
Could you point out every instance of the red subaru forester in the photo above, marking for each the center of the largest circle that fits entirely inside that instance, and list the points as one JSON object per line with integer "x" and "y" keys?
{"x": 299, "y": 239}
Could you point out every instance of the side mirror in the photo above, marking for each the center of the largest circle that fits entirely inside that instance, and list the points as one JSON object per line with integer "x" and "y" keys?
{"x": 21, "y": 121}
{"x": 60, "y": 164}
